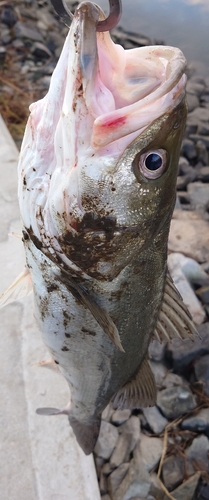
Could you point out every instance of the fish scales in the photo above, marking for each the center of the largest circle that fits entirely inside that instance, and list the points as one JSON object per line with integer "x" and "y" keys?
{"x": 97, "y": 182}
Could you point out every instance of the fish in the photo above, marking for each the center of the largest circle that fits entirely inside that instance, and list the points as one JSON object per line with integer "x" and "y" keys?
{"x": 97, "y": 188}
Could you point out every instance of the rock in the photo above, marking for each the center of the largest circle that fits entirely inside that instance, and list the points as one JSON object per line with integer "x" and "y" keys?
{"x": 132, "y": 429}
{"x": 135, "y": 484}
{"x": 117, "y": 476}
{"x": 156, "y": 351}
{"x": 195, "y": 88}
{"x": 202, "y": 129}
{"x": 159, "y": 371}
{"x": 105, "y": 497}
{"x": 192, "y": 101}
{"x": 185, "y": 289}
{"x": 2, "y": 54}
{"x": 198, "y": 195}
{"x": 189, "y": 234}
{"x": 188, "y": 149}
{"x": 120, "y": 416}
{"x": 155, "y": 419}
{"x": 149, "y": 451}
{"x": 203, "y": 294}
{"x": 156, "y": 487}
{"x": 203, "y": 174}
{"x": 107, "y": 413}
{"x": 186, "y": 490}
{"x": 40, "y": 50}
{"x": 106, "y": 443}
{"x": 197, "y": 453}
{"x": 202, "y": 492}
{"x": 23, "y": 30}
{"x": 182, "y": 354}
{"x": 201, "y": 368}
{"x": 198, "y": 423}
{"x": 175, "y": 401}
{"x": 196, "y": 137}
{"x": 172, "y": 380}
{"x": 122, "y": 450}
{"x": 199, "y": 115}
{"x": 190, "y": 267}
{"x": 173, "y": 471}
{"x": 202, "y": 153}
{"x": 8, "y": 15}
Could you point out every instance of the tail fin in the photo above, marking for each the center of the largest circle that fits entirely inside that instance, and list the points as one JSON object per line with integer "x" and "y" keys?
{"x": 86, "y": 433}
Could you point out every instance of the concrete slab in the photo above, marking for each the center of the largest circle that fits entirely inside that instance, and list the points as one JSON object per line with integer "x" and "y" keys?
{"x": 39, "y": 456}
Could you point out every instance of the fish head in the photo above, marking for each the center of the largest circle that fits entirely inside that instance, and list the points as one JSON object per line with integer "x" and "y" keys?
{"x": 99, "y": 160}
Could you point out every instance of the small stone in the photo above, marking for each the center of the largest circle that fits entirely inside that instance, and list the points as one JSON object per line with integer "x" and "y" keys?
{"x": 198, "y": 423}
{"x": 186, "y": 490}
{"x": 198, "y": 195}
{"x": 172, "y": 380}
{"x": 156, "y": 487}
{"x": 155, "y": 419}
{"x": 149, "y": 451}
{"x": 200, "y": 115}
{"x": 176, "y": 401}
{"x": 106, "y": 443}
{"x": 22, "y": 30}
{"x": 192, "y": 101}
{"x": 135, "y": 484}
{"x": 132, "y": 429}
{"x": 203, "y": 174}
{"x": 197, "y": 453}
{"x": 188, "y": 149}
{"x": 107, "y": 413}
{"x": 202, "y": 153}
{"x": 185, "y": 289}
{"x": 182, "y": 354}
{"x": 40, "y": 50}
{"x": 189, "y": 235}
{"x": 120, "y": 416}
{"x": 201, "y": 368}
{"x": 195, "y": 88}
{"x": 203, "y": 294}
{"x": 122, "y": 450}
{"x": 190, "y": 267}
{"x": 117, "y": 476}
{"x": 159, "y": 371}
{"x": 196, "y": 137}
{"x": 203, "y": 129}
{"x": 105, "y": 497}
{"x": 173, "y": 471}
{"x": 156, "y": 351}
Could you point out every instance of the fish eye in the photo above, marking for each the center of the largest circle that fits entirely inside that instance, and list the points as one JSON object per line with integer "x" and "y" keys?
{"x": 153, "y": 163}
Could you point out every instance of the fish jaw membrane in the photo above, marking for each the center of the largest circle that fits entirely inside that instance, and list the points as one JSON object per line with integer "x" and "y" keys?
{"x": 101, "y": 97}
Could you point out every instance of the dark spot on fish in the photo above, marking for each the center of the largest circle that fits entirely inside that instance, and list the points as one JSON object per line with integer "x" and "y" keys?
{"x": 34, "y": 239}
{"x": 65, "y": 348}
{"x": 89, "y": 332}
{"x": 67, "y": 316}
{"x": 52, "y": 287}
{"x": 80, "y": 89}
{"x": 24, "y": 181}
{"x": 67, "y": 335}
{"x": 25, "y": 236}
{"x": 34, "y": 169}
{"x": 57, "y": 362}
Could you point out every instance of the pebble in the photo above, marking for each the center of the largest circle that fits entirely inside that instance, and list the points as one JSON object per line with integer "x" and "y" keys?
{"x": 190, "y": 267}
{"x": 132, "y": 429}
{"x": 156, "y": 351}
{"x": 149, "y": 451}
{"x": 117, "y": 476}
{"x": 186, "y": 490}
{"x": 197, "y": 453}
{"x": 120, "y": 416}
{"x": 175, "y": 401}
{"x": 198, "y": 422}
{"x": 173, "y": 471}
{"x": 159, "y": 371}
{"x": 182, "y": 354}
{"x": 22, "y": 30}
{"x": 188, "y": 149}
{"x": 203, "y": 294}
{"x": 136, "y": 483}
{"x": 198, "y": 195}
{"x": 122, "y": 450}
{"x": 201, "y": 368}
{"x": 185, "y": 226}
{"x": 155, "y": 419}
{"x": 106, "y": 443}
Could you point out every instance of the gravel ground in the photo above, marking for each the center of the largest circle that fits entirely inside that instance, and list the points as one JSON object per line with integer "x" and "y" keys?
{"x": 156, "y": 453}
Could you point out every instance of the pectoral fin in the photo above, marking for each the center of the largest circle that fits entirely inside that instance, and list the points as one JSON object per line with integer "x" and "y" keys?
{"x": 102, "y": 317}
{"x": 174, "y": 319}
{"x": 138, "y": 392}
{"x": 19, "y": 289}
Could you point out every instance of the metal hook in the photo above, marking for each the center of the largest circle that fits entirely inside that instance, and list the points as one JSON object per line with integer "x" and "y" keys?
{"x": 106, "y": 25}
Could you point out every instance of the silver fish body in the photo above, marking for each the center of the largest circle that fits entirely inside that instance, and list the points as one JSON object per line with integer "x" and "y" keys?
{"x": 97, "y": 179}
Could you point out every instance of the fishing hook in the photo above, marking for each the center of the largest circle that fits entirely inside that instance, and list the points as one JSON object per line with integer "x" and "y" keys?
{"x": 106, "y": 25}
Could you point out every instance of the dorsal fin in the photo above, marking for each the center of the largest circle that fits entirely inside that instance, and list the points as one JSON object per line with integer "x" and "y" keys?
{"x": 19, "y": 289}
{"x": 140, "y": 391}
{"x": 174, "y": 319}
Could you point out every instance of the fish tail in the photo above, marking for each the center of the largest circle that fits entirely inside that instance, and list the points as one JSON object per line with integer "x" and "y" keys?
{"x": 86, "y": 432}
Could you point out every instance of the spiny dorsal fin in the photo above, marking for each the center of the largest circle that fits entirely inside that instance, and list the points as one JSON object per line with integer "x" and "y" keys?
{"x": 19, "y": 289}
{"x": 138, "y": 392}
{"x": 174, "y": 319}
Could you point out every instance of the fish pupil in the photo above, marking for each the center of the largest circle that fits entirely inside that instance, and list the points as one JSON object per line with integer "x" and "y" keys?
{"x": 153, "y": 161}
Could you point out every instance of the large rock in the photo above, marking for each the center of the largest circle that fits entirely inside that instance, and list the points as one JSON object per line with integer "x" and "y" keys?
{"x": 198, "y": 422}
{"x": 155, "y": 419}
{"x": 186, "y": 490}
{"x": 173, "y": 471}
{"x": 135, "y": 484}
{"x": 197, "y": 453}
{"x": 189, "y": 234}
{"x": 182, "y": 354}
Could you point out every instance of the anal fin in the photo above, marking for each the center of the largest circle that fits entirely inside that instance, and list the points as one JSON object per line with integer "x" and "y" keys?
{"x": 140, "y": 391}
{"x": 86, "y": 433}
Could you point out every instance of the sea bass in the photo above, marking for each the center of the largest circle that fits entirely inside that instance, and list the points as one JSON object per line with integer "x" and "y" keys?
{"x": 97, "y": 186}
